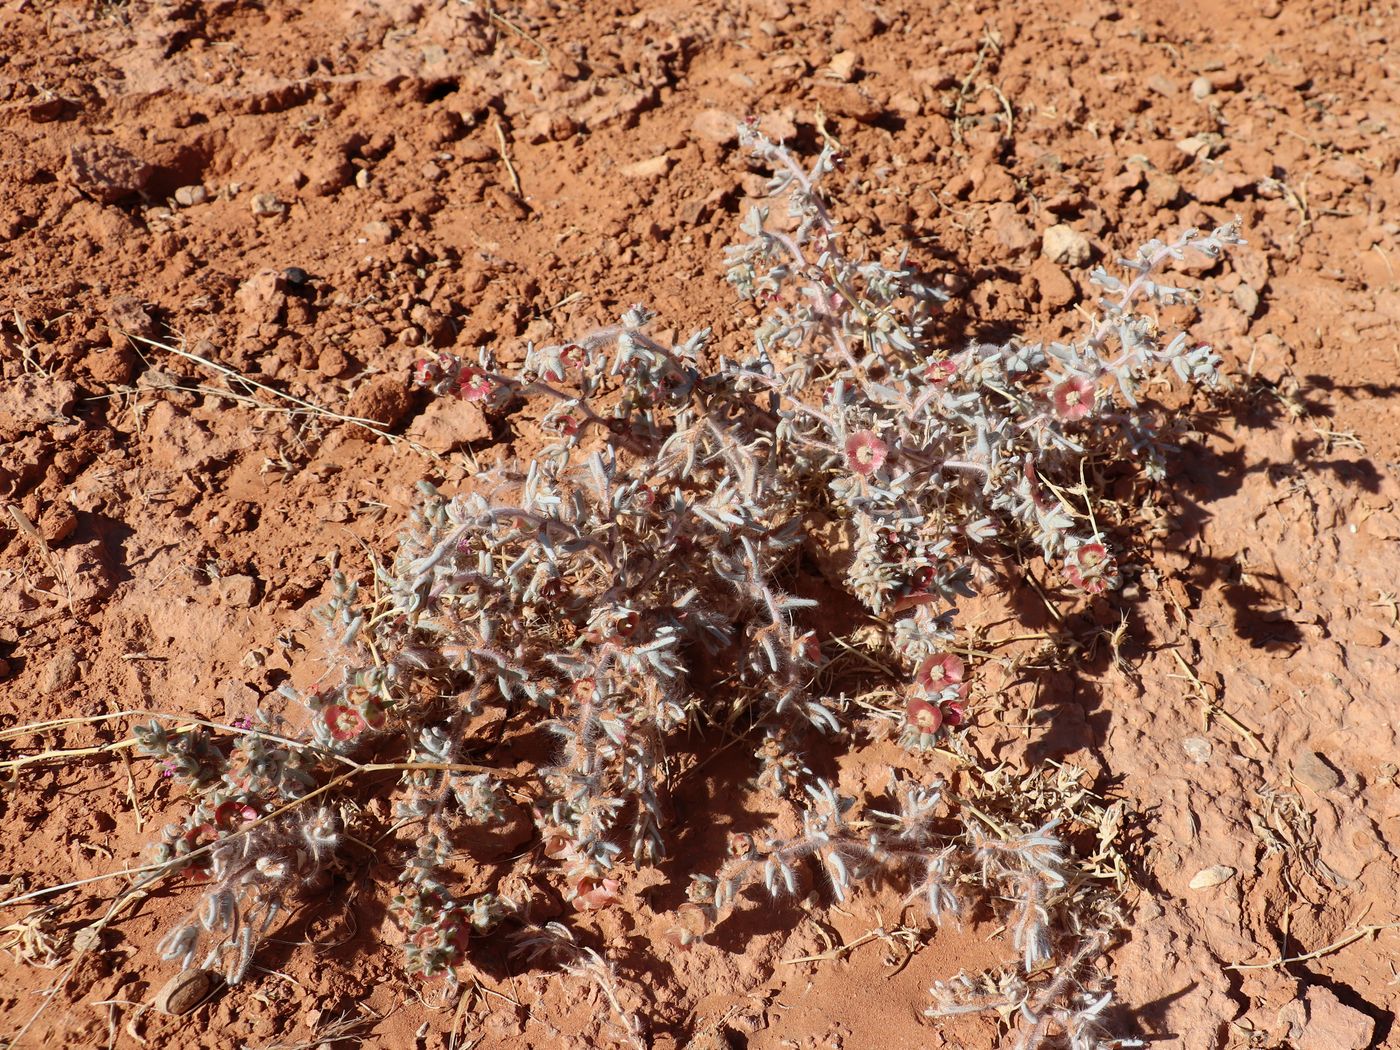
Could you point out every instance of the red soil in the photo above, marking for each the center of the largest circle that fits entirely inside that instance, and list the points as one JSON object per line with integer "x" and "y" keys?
{"x": 448, "y": 175}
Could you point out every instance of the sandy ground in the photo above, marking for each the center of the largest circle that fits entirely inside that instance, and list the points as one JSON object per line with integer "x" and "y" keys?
{"x": 309, "y": 195}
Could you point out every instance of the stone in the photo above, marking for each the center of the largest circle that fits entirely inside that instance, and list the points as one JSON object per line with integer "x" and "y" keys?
{"x": 185, "y": 991}
{"x": 1163, "y": 191}
{"x": 1203, "y": 146}
{"x": 1368, "y": 635}
{"x": 333, "y": 362}
{"x": 1197, "y": 748}
{"x": 1010, "y": 229}
{"x": 327, "y": 175}
{"x": 30, "y": 402}
{"x": 436, "y": 326}
{"x": 1221, "y": 185}
{"x": 89, "y": 574}
{"x": 378, "y": 233}
{"x": 60, "y": 672}
{"x": 1162, "y": 86}
{"x": 266, "y": 205}
{"x": 1269, "y": 358}
{"x": 239, "y": 591}
{"x": 1202, "y": 88}
{"x": 653, "y": 168}
{"x": 263, "y": 296}
{"x": 1246, "y": 299}
{"x": 447, "y": 424}
{"x": 844, "y": 65}
{"x": 189, "y": 196}
{"x": 1216, "y": 875}
{"x": 384, "y": 400}
{"x": 1066, "y": 246}
{"x": 106, "y": 172}
{"x": 991, "y": 183}
{"x": 128, "y": 316}
{"x": 1055, "y": 288}
{"x": 1332, "y": 1025}
{"x": 1310, "y": 769}
{"x": 717, "y": 126}
{"x": 58, "y": 523}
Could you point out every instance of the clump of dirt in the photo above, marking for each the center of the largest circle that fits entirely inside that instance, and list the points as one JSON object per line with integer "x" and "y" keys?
{"x": 230, "y": 229}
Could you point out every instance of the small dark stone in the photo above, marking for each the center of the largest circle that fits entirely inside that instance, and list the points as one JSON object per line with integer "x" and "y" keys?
{"x": 296, "y": 275}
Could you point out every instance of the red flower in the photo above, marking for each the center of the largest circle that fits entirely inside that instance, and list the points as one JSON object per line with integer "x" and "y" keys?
{"x": 1073, "y": 398}
{"x": 343, "y": 722}
{"x": 923, "y": 716}
{"x": 937, "y": 673}
{"x": 865, "y": 453}
{"x": 741, "y": 844}
{"x": 228, "y": 815}
{"x": 473, "y": 386}
{"x": 422, "y": 371}
{"x": 953, "y": 713}
{"x": 1091, "y": 569}
{"x": 445, "y": 933}
{"x": 939, "y": 372}
{"x": 624, "y": 626}
{"x": 592, "y": 894}
{"x": 557, "y": 845}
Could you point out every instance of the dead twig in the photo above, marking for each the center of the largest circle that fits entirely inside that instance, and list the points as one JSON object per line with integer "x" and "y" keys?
{"x": 505, "y": 155}
{"x": 1336, "y": 946}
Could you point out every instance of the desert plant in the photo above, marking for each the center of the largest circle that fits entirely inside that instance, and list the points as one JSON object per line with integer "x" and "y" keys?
{"x": 601, "y": 589}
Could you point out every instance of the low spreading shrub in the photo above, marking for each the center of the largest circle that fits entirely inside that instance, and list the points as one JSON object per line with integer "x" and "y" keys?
{"x": 632, "y": 584}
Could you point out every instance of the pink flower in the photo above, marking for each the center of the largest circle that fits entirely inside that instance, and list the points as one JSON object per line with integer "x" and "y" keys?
{"x": 473, "y": 386}
{"x": 593, "y": 894}
{"x": 939, "y": 672}
{"x": 557, "y": 845}
{"x": 865, "y": 453}
{"x": 923, "y": 716}
{"x": 939, "y": 372}
{"x": 230, "y": 814}
{"x": 1091, "y": 569}
{"x": 953, "y": 713}
{"x": 1073, "y": 398}
{"x": 343, "y": 722}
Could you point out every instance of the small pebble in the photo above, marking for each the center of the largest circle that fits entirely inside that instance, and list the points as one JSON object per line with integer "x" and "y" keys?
{"x": 266, "y": 205}
{"x": 380, "y": 233}
{"x": 1212, "y": 876}
{"x": 189, "y": 196}
{"x": 296, "y": 275}
{"x": 1246, "y": 299}
{"x": 240, "y": 592}
{"x": 1197, "y": 748}
{"x": 1066, "y": 246}
{"x": 183, "y": 992}
{"x": 1201, "y": 88}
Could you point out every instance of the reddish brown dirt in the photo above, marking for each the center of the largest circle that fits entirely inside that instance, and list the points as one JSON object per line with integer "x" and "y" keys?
{"x": 185, "y": 533}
